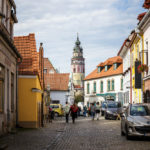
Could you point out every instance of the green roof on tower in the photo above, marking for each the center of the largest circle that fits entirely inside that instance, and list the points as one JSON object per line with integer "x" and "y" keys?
{"x": 77, "y": 47}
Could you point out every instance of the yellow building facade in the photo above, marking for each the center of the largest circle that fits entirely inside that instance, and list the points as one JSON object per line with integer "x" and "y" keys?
{"x": 136, "y": 55}
{"x": 30, "y": 101}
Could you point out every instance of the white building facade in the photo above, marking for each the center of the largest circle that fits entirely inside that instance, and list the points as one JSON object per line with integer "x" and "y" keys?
{"x": 105, "y": 82}
{"x": 144, "y": 27}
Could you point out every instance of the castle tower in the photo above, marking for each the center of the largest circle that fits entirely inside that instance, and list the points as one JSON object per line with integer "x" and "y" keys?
{"x": 78, "y": 67}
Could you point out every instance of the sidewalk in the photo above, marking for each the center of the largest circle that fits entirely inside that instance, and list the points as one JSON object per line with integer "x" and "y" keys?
{"x": 32, "y": 139}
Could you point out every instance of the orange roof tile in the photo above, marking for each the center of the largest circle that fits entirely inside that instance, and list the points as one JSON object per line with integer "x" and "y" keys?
{"x": 48, "y": 65}
{"x": 95, "y": 74}
{"x": 26, "y": 45}
{"x": 140, "y": 16}
{"x": 146, "y": 4}
{"x": 57, "y": 81}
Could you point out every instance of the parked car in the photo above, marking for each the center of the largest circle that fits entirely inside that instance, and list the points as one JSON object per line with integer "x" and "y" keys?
{"x": 112, "y": 110}
{"x": 135, "y": 121}
{"x": 103, "y": 108}
{"x": 58, "y": 109}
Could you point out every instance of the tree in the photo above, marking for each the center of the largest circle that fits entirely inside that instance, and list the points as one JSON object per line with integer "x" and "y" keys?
{"x": 79, "y": 98}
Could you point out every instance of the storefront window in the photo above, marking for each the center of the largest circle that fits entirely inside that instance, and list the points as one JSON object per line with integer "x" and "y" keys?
{"x": 2, "y": 75}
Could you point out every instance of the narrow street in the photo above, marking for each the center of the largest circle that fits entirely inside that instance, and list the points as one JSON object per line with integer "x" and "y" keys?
{"x": 85, "y": 134}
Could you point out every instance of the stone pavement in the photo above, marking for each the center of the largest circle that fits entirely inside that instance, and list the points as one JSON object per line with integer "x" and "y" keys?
{"x": 85, "y": 134}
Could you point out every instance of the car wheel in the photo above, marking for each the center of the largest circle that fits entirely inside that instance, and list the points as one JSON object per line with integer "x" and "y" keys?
{"x": 122, "y": 133}
{"x": 56, "y": 114}
{"x": 127, "y": 135}
{"x": 106, "y": 117}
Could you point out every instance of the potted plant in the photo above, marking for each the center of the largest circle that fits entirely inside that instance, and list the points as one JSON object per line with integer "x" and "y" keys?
{"x": 142, "y": 68}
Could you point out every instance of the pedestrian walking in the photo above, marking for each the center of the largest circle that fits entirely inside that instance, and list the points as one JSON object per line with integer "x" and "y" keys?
{"x": 50, "y": 114}
{"x": 93, "y": 108}
{"x": 73, "y": 110}
{"x": 85, "y": 111}
{"x": 98, "y": 107}
{"x": 66, "y": 111}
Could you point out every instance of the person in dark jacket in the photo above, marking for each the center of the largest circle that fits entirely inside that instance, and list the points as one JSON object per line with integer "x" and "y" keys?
{"x": 74, "y": 110}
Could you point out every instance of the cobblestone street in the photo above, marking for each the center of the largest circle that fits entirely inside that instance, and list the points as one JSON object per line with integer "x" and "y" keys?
{"x": 85, "y": 134}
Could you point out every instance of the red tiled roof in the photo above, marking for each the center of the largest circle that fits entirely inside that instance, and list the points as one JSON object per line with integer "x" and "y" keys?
{"x": 26, "y": 45}
{"x": 140, "y": 16}
{"x": 95, "y": 74}
{"x": 57, "y": 81}
{"x": 32, "y": 61}
{"x": 48, "y": 65}
{"x": 146, "y": 4}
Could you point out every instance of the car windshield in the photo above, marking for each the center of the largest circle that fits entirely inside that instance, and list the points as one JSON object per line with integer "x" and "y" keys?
{"x": 112, "y": 105}
{"x": 139, "y": 111}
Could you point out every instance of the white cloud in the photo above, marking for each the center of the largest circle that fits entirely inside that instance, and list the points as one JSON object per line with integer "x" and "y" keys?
{"x": 102, "y": 26}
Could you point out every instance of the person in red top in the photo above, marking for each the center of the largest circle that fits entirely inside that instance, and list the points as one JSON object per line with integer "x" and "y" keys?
{"x": 73, "y": 110}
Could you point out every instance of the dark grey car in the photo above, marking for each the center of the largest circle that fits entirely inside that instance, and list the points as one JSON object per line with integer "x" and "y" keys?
{"x": 112, "y": 110}
{"x": 135, "y": 121}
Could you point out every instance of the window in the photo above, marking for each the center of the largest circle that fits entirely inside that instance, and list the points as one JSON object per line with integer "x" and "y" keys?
{"x": 112, "y": 85}
{"x": 101, "y": 86}
{"x": 106, "y": 67}
{"x": 74, "y": 70}
{"x": 94, "y": 87}
{"x": 2, "y": 77}
{"x": 121, "y": 84}
{"x": 88, "y": 88}
{"x": 115, "y": 66}
{"x": 45, "y": 70}
{"x": 99, "y": 69}
{"x": 108, "y": 85}
{"x": 12, "y": 92}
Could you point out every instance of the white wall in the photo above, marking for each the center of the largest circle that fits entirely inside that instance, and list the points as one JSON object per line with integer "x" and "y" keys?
{"x": 147, "y": 39}
{"x": 126, "y": 77}
{"x": 59, "y": 95}
{"x": 117, "y": 86}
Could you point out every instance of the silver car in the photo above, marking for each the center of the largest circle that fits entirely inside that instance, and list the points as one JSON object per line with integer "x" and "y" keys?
{"x": 135, "y": 121}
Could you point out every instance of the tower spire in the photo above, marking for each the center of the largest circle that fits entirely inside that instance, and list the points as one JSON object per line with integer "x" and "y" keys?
{"x": 78, "y": 41}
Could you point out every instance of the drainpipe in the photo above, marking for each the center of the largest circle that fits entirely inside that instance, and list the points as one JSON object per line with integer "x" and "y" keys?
{"x": 18, "y": 63}
{"x": 130, "y": 81}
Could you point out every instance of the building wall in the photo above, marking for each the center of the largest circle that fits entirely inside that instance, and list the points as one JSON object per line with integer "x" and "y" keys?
{"x": 135, "y": 54}
{"x": 8, "y": 61}
{"x": 117, "y": 87}
{"x": 126, "y": 77}
{"x": 78, "y": 79}
{"x": 147, "y": 40}
{"x": 59, "y": 95}
{"x": 29, "y": 103}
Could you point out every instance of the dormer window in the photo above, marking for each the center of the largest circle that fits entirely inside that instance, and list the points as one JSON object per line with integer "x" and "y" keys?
{"x": 115, "y": 66}
{"x": 99, "y": 69}
{"x": 106, "y": 68}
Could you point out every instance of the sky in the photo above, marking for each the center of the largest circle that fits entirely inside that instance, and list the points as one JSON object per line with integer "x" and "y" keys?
{"x": 103, "y": 25}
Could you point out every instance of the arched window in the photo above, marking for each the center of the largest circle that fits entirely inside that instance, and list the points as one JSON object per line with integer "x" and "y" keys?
{"x": 94, "y": 87}
{"x": 108, "y": 85}
{"x": 101, "y": 86}
{"x": 74, "y": 70}
{"x": 88, "y": 88}
{"x": 113, "y": 85}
